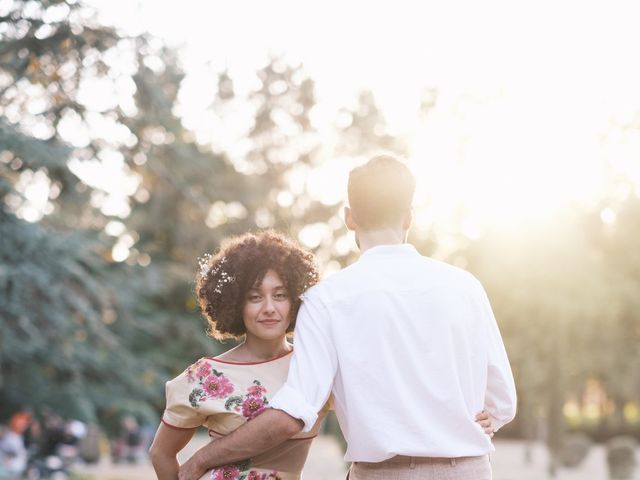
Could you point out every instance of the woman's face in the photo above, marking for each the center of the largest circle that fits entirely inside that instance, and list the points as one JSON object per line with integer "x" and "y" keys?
{"x": 267, "y": 309}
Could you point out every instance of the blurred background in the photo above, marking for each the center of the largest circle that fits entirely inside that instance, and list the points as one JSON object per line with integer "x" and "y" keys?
{"x": 136, "y": 135}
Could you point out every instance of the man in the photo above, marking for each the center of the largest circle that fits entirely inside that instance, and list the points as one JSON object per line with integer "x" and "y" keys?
{"x": 408, "y": 346}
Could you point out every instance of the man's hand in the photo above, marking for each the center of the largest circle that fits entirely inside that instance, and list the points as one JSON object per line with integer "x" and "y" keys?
{"x": 485, "y": 422}
{"x": 192, "y": 469}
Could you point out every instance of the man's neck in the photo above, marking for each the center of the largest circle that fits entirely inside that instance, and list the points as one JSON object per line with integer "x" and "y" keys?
{"x": 373, "y": 238}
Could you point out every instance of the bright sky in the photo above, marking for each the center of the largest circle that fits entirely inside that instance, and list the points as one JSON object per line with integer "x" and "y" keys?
{"x": 532, "y": 95}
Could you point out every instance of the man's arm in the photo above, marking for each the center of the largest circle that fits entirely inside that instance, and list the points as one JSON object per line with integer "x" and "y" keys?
{"x": 264, "y": 432}
{"x": 313, "y": 366}
{"x": 500, "y": 397}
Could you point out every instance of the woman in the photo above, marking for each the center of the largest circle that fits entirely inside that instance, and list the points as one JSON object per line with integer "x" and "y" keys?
{"x": 251, "y": 290}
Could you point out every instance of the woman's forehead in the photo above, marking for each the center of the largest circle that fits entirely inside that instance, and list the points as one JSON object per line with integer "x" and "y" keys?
{"x": 272, "y": 278}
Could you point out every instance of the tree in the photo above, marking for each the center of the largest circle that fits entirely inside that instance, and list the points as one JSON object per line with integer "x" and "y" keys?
{"x": 62, "y": 325}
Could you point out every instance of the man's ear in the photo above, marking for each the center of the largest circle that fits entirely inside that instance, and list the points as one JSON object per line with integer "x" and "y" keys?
{"x": 348, "y": 219}
{"x": 407, "y": 219}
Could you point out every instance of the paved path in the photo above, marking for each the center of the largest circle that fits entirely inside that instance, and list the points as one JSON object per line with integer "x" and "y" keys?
{"x": 325, "y": 463}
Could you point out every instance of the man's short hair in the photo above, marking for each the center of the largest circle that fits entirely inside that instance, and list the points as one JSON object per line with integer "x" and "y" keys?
{"x": 380, "y": 192}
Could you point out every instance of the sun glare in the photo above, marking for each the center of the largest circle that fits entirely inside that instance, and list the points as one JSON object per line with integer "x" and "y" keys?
{"x": 505, "y": 160}
{"x": 519, "y": 123}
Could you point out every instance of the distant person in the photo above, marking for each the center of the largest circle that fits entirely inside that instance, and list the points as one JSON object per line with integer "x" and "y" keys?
{"x": 128, "y": 446}
{"x": 131, "y": 440}
{"x": 32, "y": 436}
{"x": 53, "y": 434}
{"x": 20, "y": 420}
{"x": 13, "y": 454}
{"x": 407, "y": 345}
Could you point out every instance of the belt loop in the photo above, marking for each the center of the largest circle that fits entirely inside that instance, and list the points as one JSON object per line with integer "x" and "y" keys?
{"x": 412, "y": 464}
{"x": 453, "y": 462}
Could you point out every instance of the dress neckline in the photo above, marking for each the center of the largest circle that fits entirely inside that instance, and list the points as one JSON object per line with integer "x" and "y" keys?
{"x": 229, "y": 362}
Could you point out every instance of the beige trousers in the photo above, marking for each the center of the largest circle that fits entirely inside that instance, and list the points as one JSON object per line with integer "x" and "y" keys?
{"x": 423, "y": 468}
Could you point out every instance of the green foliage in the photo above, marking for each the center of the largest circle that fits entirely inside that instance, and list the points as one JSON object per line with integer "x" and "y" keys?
{"x": 58, "y": 346}
{"x": 82, "y": 333}
{"x": 365, "y": 131}
{"x": 65, "y": 336}
{"x": 36, "y": 153}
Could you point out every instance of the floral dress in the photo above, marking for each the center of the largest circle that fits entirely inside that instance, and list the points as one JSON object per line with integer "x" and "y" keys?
{"x": 221, "y": 396}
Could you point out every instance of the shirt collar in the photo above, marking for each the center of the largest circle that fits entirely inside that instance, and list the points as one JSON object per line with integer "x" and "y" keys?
{"x": 395, "y": 249}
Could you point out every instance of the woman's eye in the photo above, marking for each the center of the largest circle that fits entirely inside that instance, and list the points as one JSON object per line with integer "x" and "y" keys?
{"x": 254, "y": 298}
{"x": 280, "y": 296}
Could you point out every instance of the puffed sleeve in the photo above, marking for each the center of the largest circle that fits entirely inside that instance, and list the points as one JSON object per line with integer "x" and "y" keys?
{"x": 182, "y": 410}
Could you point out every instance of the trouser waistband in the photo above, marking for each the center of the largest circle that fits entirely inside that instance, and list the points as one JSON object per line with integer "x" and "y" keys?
{"x": 405, "y": 467}
{"x": 412, "y": 461}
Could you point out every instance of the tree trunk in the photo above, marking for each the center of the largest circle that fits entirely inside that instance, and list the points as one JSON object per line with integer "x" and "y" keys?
{"x": 555, "y": 420}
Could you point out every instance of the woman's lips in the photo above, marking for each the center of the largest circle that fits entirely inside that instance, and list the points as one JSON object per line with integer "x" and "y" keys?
{"x": 269, "y": 322}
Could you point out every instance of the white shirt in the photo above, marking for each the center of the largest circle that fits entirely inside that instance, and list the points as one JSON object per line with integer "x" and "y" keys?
{"x": 411, "y": 351}
{"x": 13, "y": 455}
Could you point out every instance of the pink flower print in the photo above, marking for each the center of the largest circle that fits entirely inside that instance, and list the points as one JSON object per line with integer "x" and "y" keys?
{"x": 227, "y": 472}
{"x": 189, "y": 371}
{"x": 217, "y": 386}
{"x": 203, "y": 370}
{"x": 253, "y": 406}
{"x": 256, "y": 390}
{"x": 253, "y": 475}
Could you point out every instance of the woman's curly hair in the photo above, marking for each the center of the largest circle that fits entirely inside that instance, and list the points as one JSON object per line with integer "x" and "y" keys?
{"x": 225, "y": 278}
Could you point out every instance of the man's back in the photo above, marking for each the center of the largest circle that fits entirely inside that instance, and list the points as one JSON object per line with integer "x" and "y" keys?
{"x": 410, "y": 342}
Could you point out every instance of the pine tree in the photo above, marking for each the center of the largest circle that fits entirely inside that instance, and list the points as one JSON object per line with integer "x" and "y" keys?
{"x": 61, "y": 321}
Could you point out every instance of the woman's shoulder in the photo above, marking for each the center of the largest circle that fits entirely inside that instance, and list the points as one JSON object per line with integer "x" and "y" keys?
{"x": 220, "y": 376}
{"x": 200, "y": 381}
{"x": 197, "y": 372}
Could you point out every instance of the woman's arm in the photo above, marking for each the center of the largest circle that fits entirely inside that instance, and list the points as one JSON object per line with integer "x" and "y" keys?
{"x": 166, "y": 445}
{"x": 484, "y": 419}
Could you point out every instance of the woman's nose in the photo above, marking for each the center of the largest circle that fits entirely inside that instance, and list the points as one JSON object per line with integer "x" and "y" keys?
{"x": 269, "y": 305}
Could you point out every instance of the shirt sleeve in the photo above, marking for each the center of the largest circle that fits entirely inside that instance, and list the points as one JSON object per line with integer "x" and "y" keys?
{"x": 313, "y": 365}
{"x": 179, "y": 413}
{"x": 500, "y": 396}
